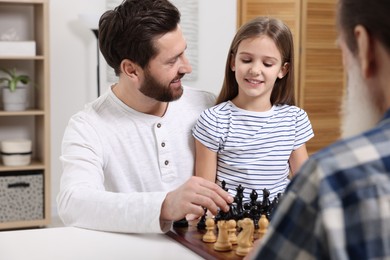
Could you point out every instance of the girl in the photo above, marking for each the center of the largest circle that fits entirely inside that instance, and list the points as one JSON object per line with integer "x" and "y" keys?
{"x": 255, "y": 135}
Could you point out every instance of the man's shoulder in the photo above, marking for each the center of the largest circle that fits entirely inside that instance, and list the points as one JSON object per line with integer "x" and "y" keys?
{"x": 198, "y": 97}
{"x": 351, "y": 146}
{"x": 195, "y": 92}
{"x": 349, "y": 157}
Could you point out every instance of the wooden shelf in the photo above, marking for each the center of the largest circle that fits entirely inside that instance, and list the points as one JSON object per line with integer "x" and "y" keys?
{"x": 24, "y": 224}
{"x": 14, "y": 2}
{"x": 32, "y": 112}
{"x": 35, "y": 165}
{"x": 33, "y": 123}
{"x": 38, "y": 57}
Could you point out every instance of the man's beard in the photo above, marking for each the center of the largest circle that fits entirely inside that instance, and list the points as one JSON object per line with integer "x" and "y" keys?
{"x": 360, "y": 112}
{"x": 152, "y": 88}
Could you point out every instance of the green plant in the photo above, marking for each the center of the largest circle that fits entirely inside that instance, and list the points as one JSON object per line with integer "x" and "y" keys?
{"x": 13, "y": 79}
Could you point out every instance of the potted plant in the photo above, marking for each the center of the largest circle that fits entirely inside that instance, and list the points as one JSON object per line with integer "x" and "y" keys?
{"x": 14, "y": 93}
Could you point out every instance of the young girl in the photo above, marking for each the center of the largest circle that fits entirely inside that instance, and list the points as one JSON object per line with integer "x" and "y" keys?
{"x": 255, "y": 135}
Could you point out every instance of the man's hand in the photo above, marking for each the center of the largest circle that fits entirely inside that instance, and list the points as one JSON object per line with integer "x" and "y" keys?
{"x": 192, "y": 196}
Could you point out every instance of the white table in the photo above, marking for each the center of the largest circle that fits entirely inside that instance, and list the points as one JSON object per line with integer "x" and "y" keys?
{"x": 69, "y": 243}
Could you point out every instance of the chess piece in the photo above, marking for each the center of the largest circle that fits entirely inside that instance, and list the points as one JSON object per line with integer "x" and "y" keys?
{"x": 223, "y": 185}
{"x": 263, "y": 226}
{"x": 238, "y": 199}
{"x": 209, "y": 237}
{"x": 181, "y": 223}
{"x": 245, "y": 238}
{"x": 232, "y": 231}
{"x": 254, "y": 215}
{"x": 247, "y": 210}
{"x": 253, "y": 196}
{"x": 223, "y": 243}
{"x": 233, "y": 214}
{"x": 266, "y": 204}
{"x": 202, "y": 222}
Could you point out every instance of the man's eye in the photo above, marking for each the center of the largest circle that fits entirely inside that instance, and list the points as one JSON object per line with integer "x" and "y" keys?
{"x": 173, "y": 61}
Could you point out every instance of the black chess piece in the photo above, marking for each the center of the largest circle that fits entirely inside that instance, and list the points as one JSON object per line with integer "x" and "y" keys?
{"x": 247, "y": 210}
{"x": 274, "y": 204}
{"x": 238, "y": 199}
{"x": 223, "y": 185}
{"x": 266, "y": 204}
{"x": 181, "y": 223}
{"x": 254, "y": 215}
{"x": 202, "y": 222}
{"x": 253, "y": 196}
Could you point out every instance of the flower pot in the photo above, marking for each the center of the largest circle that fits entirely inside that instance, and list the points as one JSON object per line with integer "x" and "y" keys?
{"x": 16, "y": 100}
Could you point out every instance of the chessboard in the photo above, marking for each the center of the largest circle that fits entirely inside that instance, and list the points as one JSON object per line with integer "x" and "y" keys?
{"x": 191, "y": 238}
{"x": 255, "y": 213}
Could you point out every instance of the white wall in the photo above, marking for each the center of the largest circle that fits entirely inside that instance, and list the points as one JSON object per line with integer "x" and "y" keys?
{"x": 73, "y": 61}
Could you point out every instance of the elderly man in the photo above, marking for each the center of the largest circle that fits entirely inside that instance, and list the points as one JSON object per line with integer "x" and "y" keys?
{"x": 338, "y": 206}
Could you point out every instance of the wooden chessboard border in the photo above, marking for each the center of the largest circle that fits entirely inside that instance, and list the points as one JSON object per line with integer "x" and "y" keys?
{"x": 191, "y": 238}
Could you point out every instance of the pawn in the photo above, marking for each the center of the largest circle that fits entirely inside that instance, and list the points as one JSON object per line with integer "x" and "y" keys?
{"x": 223, "y": 243}
{"x": 209, "y": 237}
{"x": 263, "y": 226}
{"x": 232, "y": 231}
{"x": 245, "y": 238}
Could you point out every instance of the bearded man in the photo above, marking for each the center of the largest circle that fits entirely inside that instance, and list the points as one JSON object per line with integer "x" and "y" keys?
{"x": 128, "y": 157}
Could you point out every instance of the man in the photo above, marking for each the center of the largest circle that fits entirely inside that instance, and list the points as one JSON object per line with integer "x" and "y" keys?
{"x": 128, "y": 157}
{"x": 338, "y": 206}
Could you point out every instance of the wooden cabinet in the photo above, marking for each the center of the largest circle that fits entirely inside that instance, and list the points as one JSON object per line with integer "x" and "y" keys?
{"x": 34, "y": 123}
{"x": 319, "y": 76}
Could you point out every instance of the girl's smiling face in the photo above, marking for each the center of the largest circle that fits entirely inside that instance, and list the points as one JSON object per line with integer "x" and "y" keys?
{"x": 257, "y": 64}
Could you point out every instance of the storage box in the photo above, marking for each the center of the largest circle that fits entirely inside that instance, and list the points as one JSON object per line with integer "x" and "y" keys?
{"x": 21, "y": 196}
{"x": 17, "y": 48}
{"x": 16, "y": 152}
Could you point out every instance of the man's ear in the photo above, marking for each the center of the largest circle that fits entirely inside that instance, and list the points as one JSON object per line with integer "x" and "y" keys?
{"x": 366, "y": 53}
{"x": 283, "y": 70}
{"x": 129, "y": 68}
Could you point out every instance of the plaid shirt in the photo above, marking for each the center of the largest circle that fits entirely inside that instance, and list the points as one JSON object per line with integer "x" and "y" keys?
{"x": 338, "y": 206}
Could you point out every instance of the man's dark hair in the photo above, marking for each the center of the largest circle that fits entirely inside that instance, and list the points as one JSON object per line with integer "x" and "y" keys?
{"x": 371, "y": 14}
{"x": 129, "y": 31}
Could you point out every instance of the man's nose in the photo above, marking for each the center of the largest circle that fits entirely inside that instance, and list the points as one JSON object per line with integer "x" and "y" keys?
{"x": 185, "y": 67}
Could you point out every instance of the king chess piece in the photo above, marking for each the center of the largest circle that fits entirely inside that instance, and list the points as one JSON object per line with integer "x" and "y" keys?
{"x": 209, "y": 237}
{"x": 223, "y": 243}
{"x": 245, "y": 238}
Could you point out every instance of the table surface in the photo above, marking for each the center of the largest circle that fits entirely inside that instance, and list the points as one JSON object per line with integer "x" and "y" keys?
{"x": 76, "y": 243}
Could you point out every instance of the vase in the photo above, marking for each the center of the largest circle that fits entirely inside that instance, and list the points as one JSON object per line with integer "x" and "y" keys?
{"x": 15, "y": 100}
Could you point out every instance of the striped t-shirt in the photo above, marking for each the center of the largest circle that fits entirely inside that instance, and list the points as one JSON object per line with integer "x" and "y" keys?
{"x": 253, "y": 147}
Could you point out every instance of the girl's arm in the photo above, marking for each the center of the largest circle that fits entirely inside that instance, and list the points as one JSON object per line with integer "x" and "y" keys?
{"x": 205, "y": 162}
{"x": 297, "y": 158}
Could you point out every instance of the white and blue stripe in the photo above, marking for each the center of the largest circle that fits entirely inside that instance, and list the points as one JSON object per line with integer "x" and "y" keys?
{"x": 253, "y": 147}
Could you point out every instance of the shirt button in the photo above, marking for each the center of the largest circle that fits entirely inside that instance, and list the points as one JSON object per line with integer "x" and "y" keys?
{"x": 158, "y": 125}
{"x": 163, "y": 144}
{"x": 166, "y": 162}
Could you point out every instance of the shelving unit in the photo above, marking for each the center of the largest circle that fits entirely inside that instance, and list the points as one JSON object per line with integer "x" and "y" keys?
{"x": 33, "y": 123}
